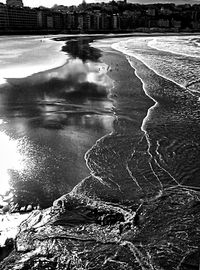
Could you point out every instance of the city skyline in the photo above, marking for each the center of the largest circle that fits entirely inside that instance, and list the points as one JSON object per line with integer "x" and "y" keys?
{"x": 50, "y": 3}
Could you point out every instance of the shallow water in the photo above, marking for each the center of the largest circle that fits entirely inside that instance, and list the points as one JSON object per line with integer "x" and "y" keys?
{"x": 169, "y": 74}
{"x": 52, "y": 118}
{"x": 155, "y": 147}
{"x": 139, "y": 206}
{"x": 48, "y": 122}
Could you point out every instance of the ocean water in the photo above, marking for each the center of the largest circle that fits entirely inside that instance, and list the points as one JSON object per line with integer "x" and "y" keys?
{"x": 173, "y": 58}
{"x": 168, "y": 68}
{"x": 120, "y": 131}
{"x": 61, "y": 125}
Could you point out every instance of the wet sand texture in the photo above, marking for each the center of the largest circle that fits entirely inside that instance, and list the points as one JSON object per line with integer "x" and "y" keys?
{"x": 131, "y": 212}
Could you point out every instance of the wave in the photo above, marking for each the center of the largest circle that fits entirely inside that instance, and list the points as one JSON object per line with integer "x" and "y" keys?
{"x": 175, "y": 108}
{"x": 177, "y": 68}
{"x": 186, "y": 46}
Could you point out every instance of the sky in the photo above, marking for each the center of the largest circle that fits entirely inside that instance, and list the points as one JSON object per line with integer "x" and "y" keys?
{"x": 50, "y": 3}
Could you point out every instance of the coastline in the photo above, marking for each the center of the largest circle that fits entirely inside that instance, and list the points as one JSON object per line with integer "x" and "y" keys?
{"x": 35, "y": 54}
{"x": 111, "y": 59}
{"x": 131, "y": 105}
{"x": 103, "y": 223}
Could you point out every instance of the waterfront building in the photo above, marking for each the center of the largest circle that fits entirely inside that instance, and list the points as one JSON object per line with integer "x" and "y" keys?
{"x": 165, "y": 11}
{"x": 80, "y": 22}
{"x": 21, "y": 18}
{"x": 95, "y": 21}
{"x": 114, "y": 15}
{"x": 4, "y": 21}
{"x": 152, "y": 23}
{"x": 176, "y": 24}
{"x": 50, "y": 24}
{"x": 195, "y": 25}
{"x": 105, "y": 21}
{"x": 151, "y": 12}
{"x": 126, "y": 20}
{"x": 163, "y": 23}
{"x": 70, "y": 21}
{"x": 115, "y": 21}
{"x": 87, "y": 21}
{"x": 58, "y": 20}
{"x": 45, "y": 19}
{"x": 48, "y": 19}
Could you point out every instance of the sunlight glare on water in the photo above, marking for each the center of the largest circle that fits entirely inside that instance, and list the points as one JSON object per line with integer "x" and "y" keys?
{"x": 24, "y": 56}
{"x": 10, "y": 159}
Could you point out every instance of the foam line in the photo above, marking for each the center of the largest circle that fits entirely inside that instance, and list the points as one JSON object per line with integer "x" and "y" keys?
{"x": 116, "y": 46}
{"x": 160, "y": 45}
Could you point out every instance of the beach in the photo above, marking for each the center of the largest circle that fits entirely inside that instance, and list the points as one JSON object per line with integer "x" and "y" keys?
{"x": 22, "y": 56}
{"x": 137, "y": 204}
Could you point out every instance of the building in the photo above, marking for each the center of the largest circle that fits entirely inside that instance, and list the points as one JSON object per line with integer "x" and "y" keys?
{"x": 195, "y": 25}
{"x": 48, "y": 19}
{"x": 87, "y": 21}
{"x": 21, "y": 18}
{"x": 151, "y": 12}
{"x": 165, "y": 11}
{"x": 58, "y": 20}
{"x": 99, "y": 17}
{"x": 105, "y": 21}
{"x": 176, "y": 24}
{"x": 115, "y": 21}
{"x": 4, "y": 21}
{"x": 80, "y": 22}
{"x": 163, "y": 23}
{"x": 14, "y": 3}
{"x": 95, "y": 21}
{"x": 70, "y": 21}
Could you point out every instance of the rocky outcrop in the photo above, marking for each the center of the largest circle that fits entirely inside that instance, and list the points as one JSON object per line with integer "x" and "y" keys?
{"x": 81, "y": 233}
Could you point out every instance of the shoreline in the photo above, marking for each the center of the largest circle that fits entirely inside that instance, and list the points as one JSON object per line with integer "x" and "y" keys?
{"x": 114, "y": 59}
{"x": 136, "y": 32}
{"x": 41, "y": 54}
{"x": 104, "y": 223}
{"x": 112, "y": 96}
{"x": 100, "y": 34}
{"x": 18, "y": 216}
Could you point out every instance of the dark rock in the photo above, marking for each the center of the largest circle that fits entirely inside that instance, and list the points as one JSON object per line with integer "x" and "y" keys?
{"x": 78, "y": 233}
{"x": 6, "y": 249}
{"x": 192, "y": 261}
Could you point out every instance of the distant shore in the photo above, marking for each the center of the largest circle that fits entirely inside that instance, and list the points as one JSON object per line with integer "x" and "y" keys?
{"x": 103, "y": 32}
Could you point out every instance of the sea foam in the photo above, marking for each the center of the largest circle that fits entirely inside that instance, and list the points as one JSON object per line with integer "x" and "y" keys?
{"x": 180, "y": 67}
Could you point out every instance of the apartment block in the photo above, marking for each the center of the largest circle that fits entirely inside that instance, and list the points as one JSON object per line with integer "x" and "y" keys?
{"x": 21, "y": 18}
{"x": 4, "y": 20}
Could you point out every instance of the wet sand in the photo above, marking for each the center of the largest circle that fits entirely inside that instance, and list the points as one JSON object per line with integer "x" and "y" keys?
{"x": 130, "y": 108}
{"x": 128, "y": 213}
{"x": 51, "y": 119}
{"x": 130, "y": 105}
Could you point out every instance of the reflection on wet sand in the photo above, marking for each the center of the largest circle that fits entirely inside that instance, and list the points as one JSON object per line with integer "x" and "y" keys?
{"x": 54, "y": 117}
{"x": 147, "y": 155}
{"x": 137, "y": 209}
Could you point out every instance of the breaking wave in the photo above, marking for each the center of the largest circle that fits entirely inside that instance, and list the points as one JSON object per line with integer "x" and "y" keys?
{"x": 173, "y": 58}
